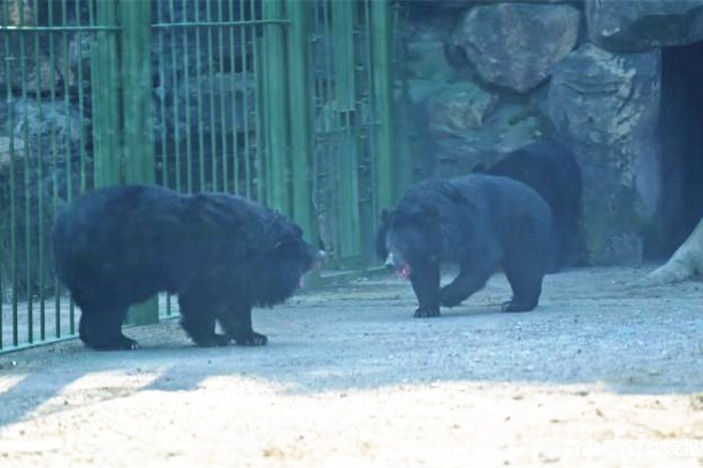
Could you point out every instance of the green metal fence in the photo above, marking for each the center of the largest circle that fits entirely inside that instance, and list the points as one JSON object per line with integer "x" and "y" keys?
{"x": 287, "y": 102}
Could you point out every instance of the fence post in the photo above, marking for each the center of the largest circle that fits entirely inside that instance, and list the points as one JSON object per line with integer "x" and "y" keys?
{"x": 386, "y": 174}
{"x": 299, "y": 116}
{"x": 138, "y": 118}
{"x": 345, "y": 111}
{"x": 138, "y": 149}
{"x": 275, "y": 90}
{"x": 105, "y": 98}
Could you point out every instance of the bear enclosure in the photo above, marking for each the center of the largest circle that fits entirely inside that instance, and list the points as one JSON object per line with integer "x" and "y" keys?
{"x": 285, "y": 102}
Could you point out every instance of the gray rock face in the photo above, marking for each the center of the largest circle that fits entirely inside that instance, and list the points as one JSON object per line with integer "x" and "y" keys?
{"x": 38, "y": 63}
{"x": 605, "y": 107}
{"x": 426, "y": 59}
{"x": 470, "y": 125}
{"x": 40, "y": 158}
{"x": 458, "y": 108}
{"x": 220, "y": 103}
{"x": 51, "y": 131}
{"x": 640, "y": 25}
{"x": 516, "y": 77}
{"x": 514, "y": 45}
{"x": 601, "y": 97}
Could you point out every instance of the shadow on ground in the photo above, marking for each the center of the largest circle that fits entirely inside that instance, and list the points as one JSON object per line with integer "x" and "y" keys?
{"x": 589, "y": 329}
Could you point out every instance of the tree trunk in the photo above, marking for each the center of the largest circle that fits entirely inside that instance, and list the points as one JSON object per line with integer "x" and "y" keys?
{"x": 685, "y": 263}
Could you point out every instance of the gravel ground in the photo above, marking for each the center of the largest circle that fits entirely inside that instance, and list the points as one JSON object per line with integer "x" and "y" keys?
{"x": 598, "y": 375}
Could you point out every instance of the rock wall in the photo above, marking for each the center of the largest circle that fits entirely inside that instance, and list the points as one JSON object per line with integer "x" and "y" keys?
{"x": 493, "y": 76}
{"x": 482, "y": 79}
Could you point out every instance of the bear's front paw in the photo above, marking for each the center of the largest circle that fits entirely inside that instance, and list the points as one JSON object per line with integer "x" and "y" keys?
{"x": 425, "y": 313}
{"x": 253, "y": 339}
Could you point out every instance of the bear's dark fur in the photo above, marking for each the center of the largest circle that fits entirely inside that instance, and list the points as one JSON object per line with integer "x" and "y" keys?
{"x": 221, "y": 254}
{"x": 552, "y": 171}
{"x": 479, "y": 222}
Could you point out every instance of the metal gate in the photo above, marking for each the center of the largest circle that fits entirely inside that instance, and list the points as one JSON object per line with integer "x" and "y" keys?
{"x": 286, "y": 102}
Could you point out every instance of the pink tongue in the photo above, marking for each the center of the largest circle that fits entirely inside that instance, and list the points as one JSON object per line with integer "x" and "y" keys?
{"x": 404, "y": 272}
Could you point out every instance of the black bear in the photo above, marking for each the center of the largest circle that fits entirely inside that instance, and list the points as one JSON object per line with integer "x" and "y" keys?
{"x": 221, "y": 254}
{"x": 477, "y": 221}
{"x": 552, "y": 171}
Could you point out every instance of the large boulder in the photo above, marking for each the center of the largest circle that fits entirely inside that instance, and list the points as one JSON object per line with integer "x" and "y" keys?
{"x": 469, "y": 125}
{"x": 606, "y": 106}
{"x": 640, "y": 25}
{"x": 458, "y": 108}
{"x": 515, "y": 45}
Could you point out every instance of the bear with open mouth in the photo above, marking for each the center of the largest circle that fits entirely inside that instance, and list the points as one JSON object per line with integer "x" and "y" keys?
{"x": 479, "y": 222}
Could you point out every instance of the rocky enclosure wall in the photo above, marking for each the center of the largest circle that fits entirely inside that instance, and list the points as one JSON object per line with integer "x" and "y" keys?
{"x": 487, "y": 77}
{"x": 483, "y": 78}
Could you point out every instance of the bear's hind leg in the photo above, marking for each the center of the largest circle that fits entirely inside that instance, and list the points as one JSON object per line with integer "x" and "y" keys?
{"x": 469, "y": 281}
{"x": 526, "y": 282}
{"x": 236, "y": 322}
{"x": 199, "y": 322}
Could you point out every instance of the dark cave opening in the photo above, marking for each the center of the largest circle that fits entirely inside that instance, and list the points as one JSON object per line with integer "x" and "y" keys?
{"x": 681, "y": 130}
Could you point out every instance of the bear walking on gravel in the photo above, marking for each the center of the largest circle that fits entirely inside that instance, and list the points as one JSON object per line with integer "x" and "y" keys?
{"x": 480, "y": 222}
{"x": 552, "y": 171}
{"x": 221, "y": 254}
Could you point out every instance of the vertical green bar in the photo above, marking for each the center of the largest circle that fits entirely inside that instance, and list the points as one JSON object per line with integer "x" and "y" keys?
{"x": 255, "y": 170}
{"x": 343, "y": 14}
{"x": 186, "y": 89}
{"x": 214, "y": 155}
{"x": 178, "y": 169}
{"x": 26, "y": 271}
{"x": 66, "y": 93}
{"x": 81, "y": 106}
{"x": 54, "y": 168}
{"x": 386, "y": 182}
{"x": 343, "y": 19}
{"x": 164, "y": 153}
{"x": 239, "y": 34}
{"x": 300, "y": 100}
{"x": 105, "y": 86}
{"x": 135, "y": 20}
{"x": 365, "y": 123}
{"x": 199, "y": 99}
{"x": 4, "y": 254}
{"x": 223, "y": 125}
{"x": 40, "y": 191}
{"x": 276, "y": 123}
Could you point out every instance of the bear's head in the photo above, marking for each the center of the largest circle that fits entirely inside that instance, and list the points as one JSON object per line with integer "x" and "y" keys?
{"x": 283, "y": 260}
{"x": 408, "y": 237}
